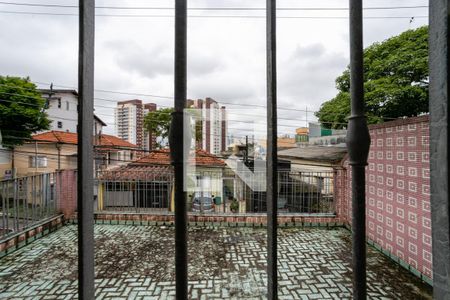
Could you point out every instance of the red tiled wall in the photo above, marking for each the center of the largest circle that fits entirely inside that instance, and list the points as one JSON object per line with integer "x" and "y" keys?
{"x": 397, "y": 191}
{"x": 67, "y": 191}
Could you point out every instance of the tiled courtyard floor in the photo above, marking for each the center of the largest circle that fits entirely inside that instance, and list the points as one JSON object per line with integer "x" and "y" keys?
{"x": 136, "y": 262}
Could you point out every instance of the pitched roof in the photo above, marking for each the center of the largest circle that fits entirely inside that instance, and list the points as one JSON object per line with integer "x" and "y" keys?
{"x": 156, "y": 167}
{"x": 58, "y": 91}
{"x": 56, "y": 137}
{"x": 99, "y": 120}
{"x": 315, "y": 153}
{"x": 162, "y": 157}
{"x": 63, "y": 137}
{"x": 139, "y": 172}
{"x": 111, "y": 140}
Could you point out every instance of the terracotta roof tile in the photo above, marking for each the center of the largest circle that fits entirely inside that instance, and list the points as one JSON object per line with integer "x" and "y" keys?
{"x": 57, "y": 137}
{"x": 111, "y": 140}
{"x": 162, "y": 157}
{"x": 72, "y": 138}
{"x": 139, "y": 172}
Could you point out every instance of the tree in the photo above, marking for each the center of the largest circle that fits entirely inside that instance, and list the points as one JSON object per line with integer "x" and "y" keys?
{"x": 21, "y": 110}
{"x": 158, "y": 123}
{"x": 395, "y": 81}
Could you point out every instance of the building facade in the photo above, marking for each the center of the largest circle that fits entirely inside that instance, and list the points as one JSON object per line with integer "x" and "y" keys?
{"x": 62, "y": 110}
{"x": 57, "y": 150}
{"x": 213, "y": 125}
{"x": 129, "y": 122}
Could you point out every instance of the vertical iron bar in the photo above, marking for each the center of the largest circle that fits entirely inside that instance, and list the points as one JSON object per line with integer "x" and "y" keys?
{"x": 177, "y": 149}
{"x": 26, "y": 202}
{"x": 33, "y": 198}
{"x": 272, "y": 159}
{"x": 358, "y": 143}
{"x": 85, "y": 186}
{"x": 16, "y": 205}
{"x": 439, "y": 64}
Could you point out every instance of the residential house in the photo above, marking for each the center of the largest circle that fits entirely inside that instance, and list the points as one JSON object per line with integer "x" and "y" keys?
{"x": 57, "y": 150}
{"x": 314, "y": 158}
{"x": 62, "y": 110}
{"x": 148, "y": 182}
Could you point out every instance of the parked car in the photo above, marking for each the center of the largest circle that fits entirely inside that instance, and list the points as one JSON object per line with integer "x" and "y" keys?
{"x": 201, "y": 203}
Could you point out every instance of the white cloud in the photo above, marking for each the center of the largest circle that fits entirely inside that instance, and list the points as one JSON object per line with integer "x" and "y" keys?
{"x": 226, "y": 57}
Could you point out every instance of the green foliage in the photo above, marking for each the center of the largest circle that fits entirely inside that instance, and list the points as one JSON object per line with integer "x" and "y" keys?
{"x": 21, "y": 110}
{"x": 158, "y": 123}
{"x": 234, "y": 205}
{"x": 395, "y": 81}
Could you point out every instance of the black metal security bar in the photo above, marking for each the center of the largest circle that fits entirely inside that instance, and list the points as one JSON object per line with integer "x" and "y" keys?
{"x": 272, "y": 160}
{"x": 439, "y": 63}
{"x": 85, "y": 150}
{"x": 358, "y": 143}
{"x": 177, "y": 149}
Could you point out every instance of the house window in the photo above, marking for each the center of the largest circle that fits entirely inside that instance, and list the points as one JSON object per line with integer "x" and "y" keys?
{"x": 59, "y": 102}
{"x": 41, "y": 161}
{"x": 67, "y": 105}
{"x": 60, "y": 125}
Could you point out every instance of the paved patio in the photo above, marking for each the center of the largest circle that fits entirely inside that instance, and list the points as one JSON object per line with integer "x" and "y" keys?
{"x": 136, "y": 262}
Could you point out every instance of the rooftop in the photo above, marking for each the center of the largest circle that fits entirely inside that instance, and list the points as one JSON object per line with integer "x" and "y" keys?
{"x": 63, "y": 137}
{"x": 162, "y": 157}
{"x": 315, "y": 153}
{"x": 138, "y": 262}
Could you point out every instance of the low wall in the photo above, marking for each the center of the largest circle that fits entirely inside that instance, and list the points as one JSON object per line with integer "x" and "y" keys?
{"x": 20, "y": 239}
{"x": 213, "y": 219}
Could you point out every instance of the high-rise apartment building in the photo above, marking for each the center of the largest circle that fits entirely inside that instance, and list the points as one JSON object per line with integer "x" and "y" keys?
{"x": 213, "y": 125}
{"x": 129, "y": 120}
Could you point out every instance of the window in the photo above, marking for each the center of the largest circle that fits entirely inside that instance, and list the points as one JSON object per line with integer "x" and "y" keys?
{"x": 59, "y": 102}
{"x": 67, "y": 105}
{"x": 60, "y": 125}
{"x": 41, "y": 161}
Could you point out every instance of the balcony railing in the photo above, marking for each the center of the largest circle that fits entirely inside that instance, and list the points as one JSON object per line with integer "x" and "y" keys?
{"x": 26, "y": 201}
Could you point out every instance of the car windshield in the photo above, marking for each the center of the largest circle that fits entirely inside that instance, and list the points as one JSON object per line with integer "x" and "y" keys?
{"x": 204, "y": 200}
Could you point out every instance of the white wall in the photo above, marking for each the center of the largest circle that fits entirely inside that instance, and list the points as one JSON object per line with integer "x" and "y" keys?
{"x": 66, "y": 114}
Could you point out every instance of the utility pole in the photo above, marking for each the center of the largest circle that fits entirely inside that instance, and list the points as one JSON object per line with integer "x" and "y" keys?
{"x": 246, "y": 150}
{"x": 306, "y": 117}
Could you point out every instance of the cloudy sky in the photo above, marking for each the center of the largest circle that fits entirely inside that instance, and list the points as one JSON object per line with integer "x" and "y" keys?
{"x": 226, "y": 55}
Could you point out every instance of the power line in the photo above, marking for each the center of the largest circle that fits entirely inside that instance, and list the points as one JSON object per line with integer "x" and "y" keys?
{"x": 212, "y": 8}
{"x": 166, "y": 97}
{"x": 228, "y": 120}
{"x": 214, "y": 16}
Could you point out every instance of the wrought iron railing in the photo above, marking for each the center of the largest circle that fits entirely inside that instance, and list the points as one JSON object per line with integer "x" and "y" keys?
{"x": 149, "y": 192}
{"x": 27, "y": 201}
